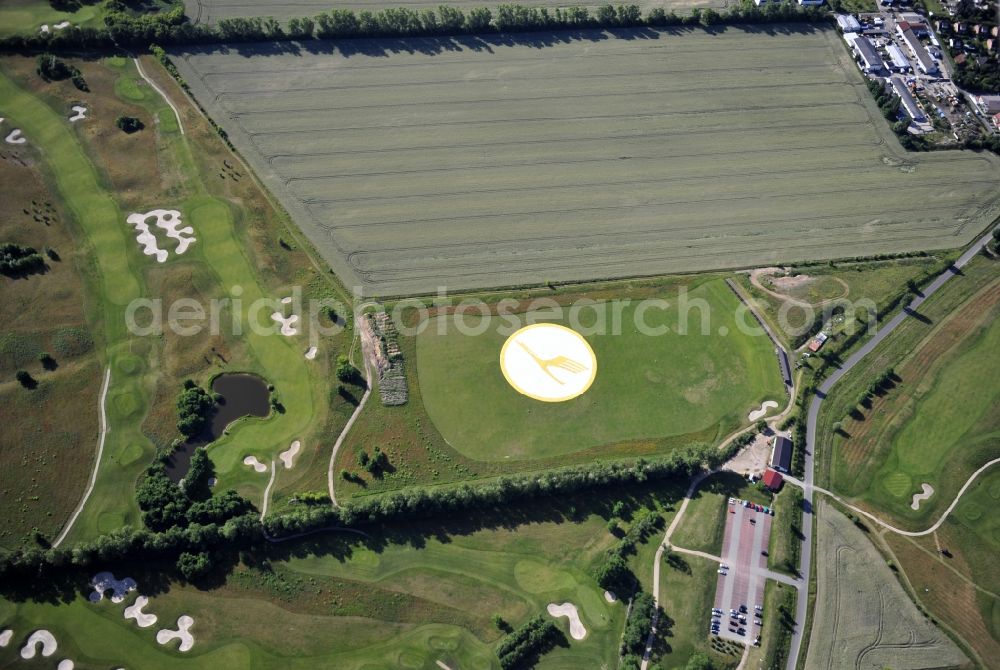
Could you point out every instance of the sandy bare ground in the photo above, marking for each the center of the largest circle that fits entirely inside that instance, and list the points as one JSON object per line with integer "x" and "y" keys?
{"x": 182, "y": 633}
{"x": 42, "y": 638}
{"x": 288, "y": 456}
{"x": 568, "y": 610}
{"x": 287, "y": 323}
{"x": 134, "y": 611}
{"x": 255, "y": 464}
{"x": 926, "y": 492}
{"x": 790, "y": 283}
{"x": 168, "y": 220}
{"x": 752, "y": 459}
{"x": 759, "y": 413}
{"x": 97, "y": 461}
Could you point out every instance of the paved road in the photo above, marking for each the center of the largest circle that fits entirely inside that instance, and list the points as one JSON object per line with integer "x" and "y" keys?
{"x": 802, "y": 607}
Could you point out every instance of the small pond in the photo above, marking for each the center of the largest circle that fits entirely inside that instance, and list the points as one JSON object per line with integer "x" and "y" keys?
{"x": 241, "y": 395}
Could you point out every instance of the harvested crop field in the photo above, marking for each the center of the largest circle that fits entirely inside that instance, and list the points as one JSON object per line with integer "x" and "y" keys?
{"x": 210, "y": 11}
{"x": 515, "y": 160}
{"x": 864, "y": 619}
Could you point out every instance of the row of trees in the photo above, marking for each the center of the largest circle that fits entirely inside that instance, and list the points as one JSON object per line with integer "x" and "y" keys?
{"x": 529, "y": 641}
{"x": 422, "y": 503}
{"x": 126, "y": 29}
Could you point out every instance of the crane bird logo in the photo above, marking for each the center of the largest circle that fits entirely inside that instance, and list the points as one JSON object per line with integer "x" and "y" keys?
{"x": 548, "y": 362}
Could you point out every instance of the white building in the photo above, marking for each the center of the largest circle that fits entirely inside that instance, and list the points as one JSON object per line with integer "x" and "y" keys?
{"x": 906, "y": 99}
{"x": 900, "y": 63}
{"x": 848, "y": 24}
{"x": 988, "y": 104}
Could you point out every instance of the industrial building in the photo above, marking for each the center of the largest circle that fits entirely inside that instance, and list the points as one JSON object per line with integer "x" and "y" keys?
{"x": 924, "y": 60}
{"x": 865, "y": 50}
{"x": 900, "y": 63}
{"x": 906, "y": 99}
{"x": 988, "y": 104}
{"x": 848, "y": 24}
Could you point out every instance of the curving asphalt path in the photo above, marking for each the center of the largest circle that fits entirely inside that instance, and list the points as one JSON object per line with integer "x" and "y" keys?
{"x": 802, "y": 606}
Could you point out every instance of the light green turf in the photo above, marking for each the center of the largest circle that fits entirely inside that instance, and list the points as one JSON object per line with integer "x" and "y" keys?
{"x": 120, "y": 266}
{"x": 647, "y": 386}
{"x": 27, "y": 16}
{"x": 98, "y": 216}
{"x": 946, "y": 417}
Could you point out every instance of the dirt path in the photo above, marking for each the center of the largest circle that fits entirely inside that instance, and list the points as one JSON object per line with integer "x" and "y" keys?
{"x": 365, "y": 349}
{"x": 267, "y": 492}
{"x": 890, "y": 527}
{"x": 755, "y": 276}
{"x": 97, "y": 461}
{"x": 138, "y": 66}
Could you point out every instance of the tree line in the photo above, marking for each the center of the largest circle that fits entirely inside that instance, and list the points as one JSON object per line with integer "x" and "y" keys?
{"x": 126, "y": 29}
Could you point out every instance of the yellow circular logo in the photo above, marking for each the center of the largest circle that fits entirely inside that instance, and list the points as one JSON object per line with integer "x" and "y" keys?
{"x": 548, "y": 362}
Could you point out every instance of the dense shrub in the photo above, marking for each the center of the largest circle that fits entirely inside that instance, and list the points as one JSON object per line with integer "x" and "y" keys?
{"x": 18, "y": 261}
{"x": 639, "y": 623}
{"x": 194, "y": 409}
{"x": 194, "y": 566}
{"x": 129, "y": 124}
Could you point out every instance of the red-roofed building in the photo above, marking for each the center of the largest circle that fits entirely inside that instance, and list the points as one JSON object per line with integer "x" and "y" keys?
{"x": 772, "y": 479}
{"x": 996, "y": 120}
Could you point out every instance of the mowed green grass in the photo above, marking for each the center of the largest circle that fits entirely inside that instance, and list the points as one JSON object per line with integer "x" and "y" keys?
{"x": 210, "y": 11}
{"x": 704, "y": 522}
{"x": 939, "y": 424}
{"x": 334, "y": 601}
{"x": 488, "y": 162}
{"x": 649, "y": 384}
{"x": 28, "y": 16}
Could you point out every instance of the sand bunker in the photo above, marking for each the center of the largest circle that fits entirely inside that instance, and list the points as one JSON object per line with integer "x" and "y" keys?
{"x": 5, "y": 637}
{"x": 183, "y": 625}
{"x": 288, "y": 455}
{"x": 255, "y": 464}
{"x": 81, "y": 113}
{"x": 14, "y": 137}
{"x": 135, "y": 612}
{"x": 610, "y": 597}
{"x": 311, "y": 353}
{"x": 44, "y": 29}
{"x": 286, "y": 301}
{"x": 39, "y": 637}
{"x": 65, "y": 664}
{"x": 287, "y": 324}
{"x": 105, "y": 581}
{"x": 61, "y": 25}
{"x": 168, "y": 220}
{"x": 927, "y": 492}
{"x": 568, "y": 610}
{"x": 758, "y": 413}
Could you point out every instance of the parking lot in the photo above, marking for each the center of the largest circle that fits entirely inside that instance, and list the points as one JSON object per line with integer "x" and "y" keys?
{"x": 742, "y": 573}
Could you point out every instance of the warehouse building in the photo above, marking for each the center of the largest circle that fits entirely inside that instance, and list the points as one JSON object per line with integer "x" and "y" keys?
{"x": 848, "y": 24}
{"x": 924, "y": 60}
{"x": 906, "y": 99}
{"x": 865, "y": 50}
{"x": 781, "y": 454}
{"x": 900, "y": 63}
